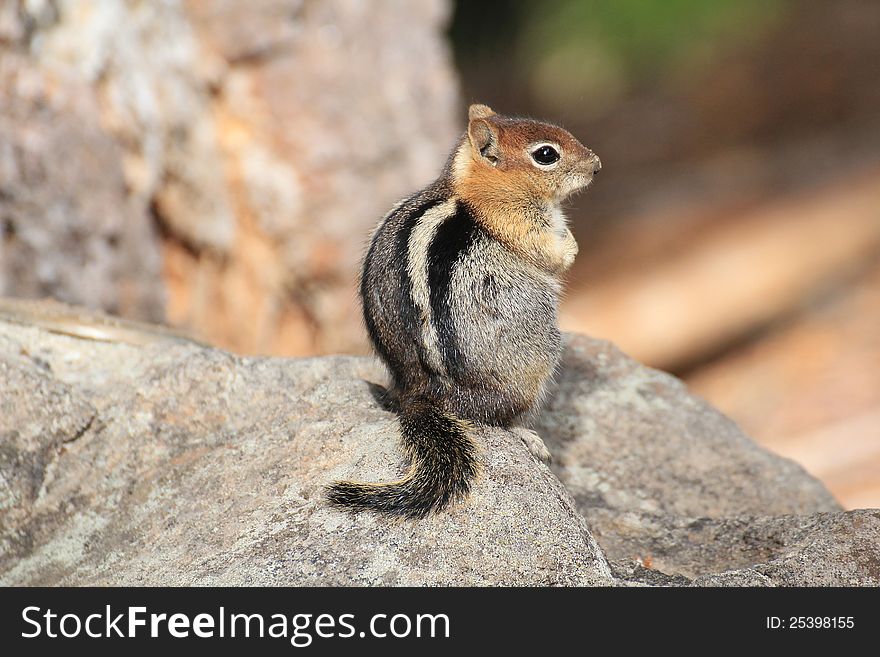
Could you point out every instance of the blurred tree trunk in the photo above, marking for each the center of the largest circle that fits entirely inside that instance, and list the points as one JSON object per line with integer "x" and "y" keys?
{"x": 217, "y": 162}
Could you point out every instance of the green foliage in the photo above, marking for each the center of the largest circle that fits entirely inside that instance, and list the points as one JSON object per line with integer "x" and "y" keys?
{"x": 597, "y": 50}
{"x": 646, "y": 35}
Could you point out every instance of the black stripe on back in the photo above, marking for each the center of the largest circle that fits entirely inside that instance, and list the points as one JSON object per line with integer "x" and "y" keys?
{"x": 367, "y": 307}
{"x": 453, "y": 239}
{"x": 408, "y": 314}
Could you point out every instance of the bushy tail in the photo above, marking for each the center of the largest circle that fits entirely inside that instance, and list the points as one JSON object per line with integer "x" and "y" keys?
{"x": 443, "y": 463}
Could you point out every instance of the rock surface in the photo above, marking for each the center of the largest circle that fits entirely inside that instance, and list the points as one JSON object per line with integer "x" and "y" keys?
{"x": 171, "y": 463}
{"x": 142, "y": 458}
{"x": 630, "y": 438}
{"x": 643, "y": 458}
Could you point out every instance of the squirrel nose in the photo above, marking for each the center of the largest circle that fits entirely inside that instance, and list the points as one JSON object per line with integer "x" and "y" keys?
{"x": 594, "y": 164}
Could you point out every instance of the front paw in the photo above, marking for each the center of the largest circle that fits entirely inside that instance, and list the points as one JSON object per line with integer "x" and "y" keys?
{"x": 534, "y": 444}
{"x": 568, "y": 249}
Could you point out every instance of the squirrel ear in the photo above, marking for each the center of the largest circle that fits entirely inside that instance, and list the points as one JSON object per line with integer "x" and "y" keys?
{"x": 484, "y": 138}
{"x": 478, "y": 111}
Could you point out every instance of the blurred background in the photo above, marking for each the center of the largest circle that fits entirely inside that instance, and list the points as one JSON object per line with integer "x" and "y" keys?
{"x": 217, "y": 165}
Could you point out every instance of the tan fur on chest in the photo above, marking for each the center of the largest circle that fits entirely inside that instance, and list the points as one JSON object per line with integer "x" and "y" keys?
{"x": 515, "y": 198}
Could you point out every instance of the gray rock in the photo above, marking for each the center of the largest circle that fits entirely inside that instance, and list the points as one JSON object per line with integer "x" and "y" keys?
{"x": 823, "y": 549}
{"x": 631, "y": 443}
{"x": 131, "y": 456}
{"x": 625, "y": 437}
{"x": 205, "y": 468}
{"x": 38, "y": 414}
{"x": 826, "y": 549}
{"x": 668, "y": 482}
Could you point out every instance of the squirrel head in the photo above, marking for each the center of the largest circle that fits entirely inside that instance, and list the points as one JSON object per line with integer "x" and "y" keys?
{"x": 520, "y": 160}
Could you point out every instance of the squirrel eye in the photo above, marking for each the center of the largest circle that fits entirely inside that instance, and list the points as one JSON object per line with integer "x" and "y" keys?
{"x": 545, "y": 155}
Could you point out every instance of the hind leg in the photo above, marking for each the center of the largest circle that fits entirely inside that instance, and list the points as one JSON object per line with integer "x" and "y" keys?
{"x": 386, "y": 397}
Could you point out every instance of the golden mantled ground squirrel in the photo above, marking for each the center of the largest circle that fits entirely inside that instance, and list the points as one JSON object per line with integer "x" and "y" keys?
{"x": 460, "y": 288}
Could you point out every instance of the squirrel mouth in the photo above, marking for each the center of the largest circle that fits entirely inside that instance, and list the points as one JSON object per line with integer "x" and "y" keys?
{"x": 576, "y": 183}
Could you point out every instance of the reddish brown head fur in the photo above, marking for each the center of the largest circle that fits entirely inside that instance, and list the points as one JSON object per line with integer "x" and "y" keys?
{"x": 515, "y": 189}
{"x": 495, "y": 163}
